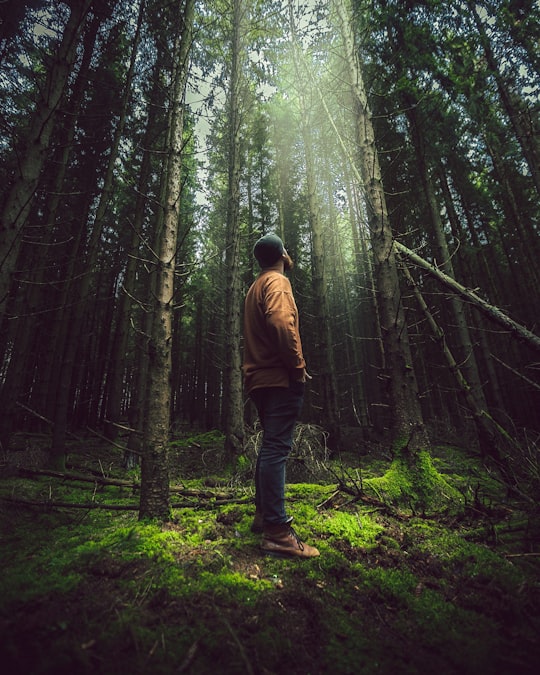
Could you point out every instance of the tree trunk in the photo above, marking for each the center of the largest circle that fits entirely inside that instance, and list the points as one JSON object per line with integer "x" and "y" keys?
{"x": 369, "y": 322}
{"x": 233, "y": 413}
{"x": 324, "y": 344}
{"x": 482, "y": 272}
{"x": 524, "y": 238}
{"x": 408, "y": 430}
{"x": 351, "y": 385}
{"x": 154, "y": 501}
{"x": 38, "y": 295}
{"x": 466, "y": 348}
{"x": 20, "y": 196}
{"x": 123, "y": 315}
{"x": 491, "y": 436}
{"x": 136, "y": 410}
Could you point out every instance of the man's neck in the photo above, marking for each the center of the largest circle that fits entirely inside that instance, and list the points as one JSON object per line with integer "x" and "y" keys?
{"x": 278, "y": 266}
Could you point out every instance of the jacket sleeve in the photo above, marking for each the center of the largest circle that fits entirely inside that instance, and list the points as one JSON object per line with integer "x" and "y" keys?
{"x": 282, "y": 322}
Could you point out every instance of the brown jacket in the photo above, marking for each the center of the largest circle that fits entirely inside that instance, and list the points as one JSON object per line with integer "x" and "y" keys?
{"x": 272, "y": 346}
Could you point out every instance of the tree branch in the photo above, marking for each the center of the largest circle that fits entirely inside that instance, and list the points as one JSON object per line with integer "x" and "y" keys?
{"x": 490, "y": 311}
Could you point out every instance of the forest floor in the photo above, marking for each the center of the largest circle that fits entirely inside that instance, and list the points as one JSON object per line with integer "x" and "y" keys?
{"x": 87, "y": 588}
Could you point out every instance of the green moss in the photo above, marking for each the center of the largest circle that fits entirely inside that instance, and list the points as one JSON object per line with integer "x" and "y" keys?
{"x": 308, "y": 492}
{"x": 468, "y": 637}
{"x": 229, "y": 585}
{"x": 301, "y": 501}
{"x": 355, "y": 529}
{"x": 388, "y": 594}
{"x": 142, "y": 539}
{"x": 473, "y": 560}
{"x": 416, "y": 484}
{"x": 34, "y": 565}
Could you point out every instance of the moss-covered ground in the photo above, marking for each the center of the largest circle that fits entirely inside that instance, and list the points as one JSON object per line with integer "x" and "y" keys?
{"x": 88, "y": 590}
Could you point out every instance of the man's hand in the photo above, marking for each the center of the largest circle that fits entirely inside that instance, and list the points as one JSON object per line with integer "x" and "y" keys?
{"x": 305, "y": 376}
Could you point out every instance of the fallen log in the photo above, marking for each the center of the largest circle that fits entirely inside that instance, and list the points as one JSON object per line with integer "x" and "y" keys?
{"x": 118, "y": 482}
{"x": 54, "y": 504}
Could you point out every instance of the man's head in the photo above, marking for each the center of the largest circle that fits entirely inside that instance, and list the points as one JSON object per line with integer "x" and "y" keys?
{"x": 268, "y": 250}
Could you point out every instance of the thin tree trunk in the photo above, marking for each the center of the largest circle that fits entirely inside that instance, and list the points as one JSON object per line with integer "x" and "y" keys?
{"x": 523, "y": 234}
{"x": 524, "y": 124}
{"x": 466, "y": 348}
{"x": 233, "y": 413}
{"x": 350, "y": 338}
{"x": 119, "y": 351}
{"x": 136, "y": 410}
{"x": 484, "y": 273}
{"x": 324, "y": 345}
{"x": 369, "y": 321}
{"x": 154, "y": 501}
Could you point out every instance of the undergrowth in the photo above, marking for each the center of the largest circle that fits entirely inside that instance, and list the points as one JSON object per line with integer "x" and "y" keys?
{"x": 88, "y": 590}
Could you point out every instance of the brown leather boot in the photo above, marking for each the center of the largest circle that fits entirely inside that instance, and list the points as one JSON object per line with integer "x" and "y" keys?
{"x": 282, "y": 541}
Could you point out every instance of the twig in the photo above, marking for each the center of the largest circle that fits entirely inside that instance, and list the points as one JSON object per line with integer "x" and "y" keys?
{"x": 513, "y": 370}
{"x": 328, "y": 500}
{"x": 123, "y": 427}
{"x": 190, "y": 656}
{"x": 43, "y": 419}
{"x": 101, "y": 480}
{"x": 249, "y": 668}
{"x": 108, "y": 440}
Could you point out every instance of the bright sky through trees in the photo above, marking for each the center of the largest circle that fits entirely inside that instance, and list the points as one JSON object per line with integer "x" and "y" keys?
{"x": 206, "y": 92}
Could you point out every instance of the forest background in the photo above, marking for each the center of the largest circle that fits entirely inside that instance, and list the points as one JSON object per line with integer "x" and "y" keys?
{"x": 393, "y": 146}
{"x": 146, "y": 145}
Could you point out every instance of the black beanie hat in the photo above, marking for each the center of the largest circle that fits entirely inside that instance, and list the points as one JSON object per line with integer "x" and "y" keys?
{"x": 268, "y": 250}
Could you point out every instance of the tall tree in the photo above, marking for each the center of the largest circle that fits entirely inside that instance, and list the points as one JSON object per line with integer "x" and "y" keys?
{"x": 409, "y": 432}
{"x": 461, "y": 139}
{"x": 525, "y": 125}
{"x": 118, "y": 355}
{"x": 154, "y": 500}
{"x": 233, "y": 417}
{"x": 421, "y": 141}
{"x": 36, "y": 295}
{"x": 319, "y": 250}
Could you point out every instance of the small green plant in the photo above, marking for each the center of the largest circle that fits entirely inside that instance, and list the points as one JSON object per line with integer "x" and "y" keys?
{"x": 243, "y": 464}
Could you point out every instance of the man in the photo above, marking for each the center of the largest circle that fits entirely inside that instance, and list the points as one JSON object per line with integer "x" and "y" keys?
{"x": 274, "y": 375}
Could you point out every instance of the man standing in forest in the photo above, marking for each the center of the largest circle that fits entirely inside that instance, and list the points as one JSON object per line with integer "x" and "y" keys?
{"x": 274, "y": 375}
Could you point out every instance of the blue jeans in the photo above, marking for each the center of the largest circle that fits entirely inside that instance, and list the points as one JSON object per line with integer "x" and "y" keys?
{"x": 278, "y": 408}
